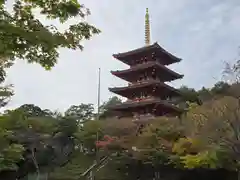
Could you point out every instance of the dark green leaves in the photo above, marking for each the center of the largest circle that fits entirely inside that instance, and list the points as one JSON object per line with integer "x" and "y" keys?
{"x": 24, "y": 36}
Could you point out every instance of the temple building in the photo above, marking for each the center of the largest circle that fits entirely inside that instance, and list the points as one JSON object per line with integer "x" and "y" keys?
{"x": 147, "y": 93}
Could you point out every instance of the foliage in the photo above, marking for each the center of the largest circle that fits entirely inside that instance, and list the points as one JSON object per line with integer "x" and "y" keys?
{"x": 104, "y": 113}
{"x": 186, "y": 146}
{"x": 201, "y": 160}
{"x": 32, "y": 111}
{"x": 73, "y": 170}
{"x": 89, "y": 134}
{"x": 43, "y": 142}
{"x": 206, "y": 137}
{"x": 10, "y": 153}
{"x": 232, "y": 72}
{"x": 24, "y": 36}
{"x": 6, "y": 92}
{"x": 81, "y": 113}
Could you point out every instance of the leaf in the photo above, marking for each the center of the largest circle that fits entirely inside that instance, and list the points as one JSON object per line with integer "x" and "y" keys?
{"x": 23, "y": 36}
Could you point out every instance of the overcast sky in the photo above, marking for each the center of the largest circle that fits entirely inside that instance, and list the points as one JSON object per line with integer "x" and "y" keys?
{"x": 204, "y": 33}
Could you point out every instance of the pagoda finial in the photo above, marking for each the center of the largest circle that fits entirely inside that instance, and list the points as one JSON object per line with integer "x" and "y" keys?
{"x": 147, "y": 29}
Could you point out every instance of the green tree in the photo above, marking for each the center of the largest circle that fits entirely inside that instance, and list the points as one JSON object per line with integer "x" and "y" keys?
{"x": 11, "y": 153}
{"x": 104, "y": 113}
{"x": 6, "y": 92}
{"x": 81, "y": 113}
{"x": 24, "y": 36}
{"x": 220, "y": 88}
{"x": 205, "y": 94}
{"x": 46, "y": 142}
{"x": 189, "y": 94}
{"x": 32, "y": 111}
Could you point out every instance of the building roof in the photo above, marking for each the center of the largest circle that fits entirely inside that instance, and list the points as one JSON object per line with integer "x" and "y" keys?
{"x": 162, "y": 89}
{"x": 125, "y": 57}
{"x": 160, "y": 105}
{"x": 164, "y": 73}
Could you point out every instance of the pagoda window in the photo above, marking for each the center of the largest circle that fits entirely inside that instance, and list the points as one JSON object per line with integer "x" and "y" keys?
{"x": 147, "y": 95}
{"x": 144, "y": 60}
{"x": 148, "y": 76}
{"x": 132, "y": 62}
{"x": 144, "y": 94}
{"x": 153, "y": 56}
{"x": 131, "y": 97}
{"x": 144, "y": 77}
{"x": 154, "y": 76}
{"x": 142, "y": 111}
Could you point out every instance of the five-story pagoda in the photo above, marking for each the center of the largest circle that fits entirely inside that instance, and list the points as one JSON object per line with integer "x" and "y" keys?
{"x": 147, "y": 93}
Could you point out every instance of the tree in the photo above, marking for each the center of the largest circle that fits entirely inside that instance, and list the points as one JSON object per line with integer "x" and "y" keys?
{"x": 189, "y": 94}
{"x": 205, "y": 94}
{"x": 216, "y": 126}
{"x": 32, "y": 111}
{"x": 81, "y": 113}
{"x": 104, "y": 107}
{"x": 89, "y": 134}
{"x": 232, "y": 72}
{"x": 6, "y": 93}
{"x": 220, "y": 88}
{"x": 11, "y": 153}
{"x": 46, "y": 143}
{"x": 24, "y": 36}
{"x": 195, "y": 142}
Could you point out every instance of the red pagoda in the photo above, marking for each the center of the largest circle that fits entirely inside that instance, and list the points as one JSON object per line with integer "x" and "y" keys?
{"x": 147, "y": 93}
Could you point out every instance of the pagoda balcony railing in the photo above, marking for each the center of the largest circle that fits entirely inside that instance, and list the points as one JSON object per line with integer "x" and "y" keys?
{"x": 150, "y": 98}
{"x": 142, "y": 61}
{"x": 146, "y": 80}
{"x": 143, "y": 117}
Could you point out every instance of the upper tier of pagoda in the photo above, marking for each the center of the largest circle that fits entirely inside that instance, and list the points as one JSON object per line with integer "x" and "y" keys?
{"x": 148, "y": 67}
{"x": 154, "y": 52}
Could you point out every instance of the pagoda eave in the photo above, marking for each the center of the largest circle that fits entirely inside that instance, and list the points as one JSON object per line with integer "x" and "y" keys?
{"x": 160, "y": 106}
{"x": 129, "y": 77}
{"x": 159, "y": 86}
{"x": 163, "y": 72}
{"x": 156, "y": 48}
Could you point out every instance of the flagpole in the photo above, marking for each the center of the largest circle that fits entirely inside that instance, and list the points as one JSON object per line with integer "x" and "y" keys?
{"x": 99, "y": 88}
{"x": 98, "y": 109}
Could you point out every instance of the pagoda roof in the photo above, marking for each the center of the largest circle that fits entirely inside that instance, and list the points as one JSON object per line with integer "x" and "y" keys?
{"x": 161, "y": 106}
{"x": 162, "y": 88}
{"x": 164, "y": 73}
{"x": 168, "y": 59}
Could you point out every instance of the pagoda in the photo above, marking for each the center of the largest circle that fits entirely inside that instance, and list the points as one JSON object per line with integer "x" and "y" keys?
{"x": 147, "y": 93}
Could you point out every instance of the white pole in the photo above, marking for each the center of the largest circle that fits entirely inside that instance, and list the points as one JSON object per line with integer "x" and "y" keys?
{"x": 98, "y": 108}
{"x": 99, "y": 88}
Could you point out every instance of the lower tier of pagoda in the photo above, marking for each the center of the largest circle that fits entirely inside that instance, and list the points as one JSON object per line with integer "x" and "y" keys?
{"x": 153, "y": 106}
{"x": 146, "y": 88}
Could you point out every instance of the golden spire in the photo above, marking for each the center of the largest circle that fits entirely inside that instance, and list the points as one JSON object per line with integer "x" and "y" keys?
{"x": 147, "y": 29}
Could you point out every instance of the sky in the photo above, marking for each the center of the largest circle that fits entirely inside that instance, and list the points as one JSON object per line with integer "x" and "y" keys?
{"x": 203, "y": 33}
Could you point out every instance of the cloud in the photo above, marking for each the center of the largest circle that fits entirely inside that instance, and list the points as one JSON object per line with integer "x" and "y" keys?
{"x": 203, "y": 33}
